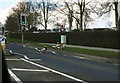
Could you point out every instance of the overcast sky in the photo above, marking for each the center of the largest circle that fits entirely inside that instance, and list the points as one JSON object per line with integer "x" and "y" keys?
{"x": 6, "y": 5}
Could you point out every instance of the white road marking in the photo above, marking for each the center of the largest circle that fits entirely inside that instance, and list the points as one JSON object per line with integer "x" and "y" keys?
{"x": 30, "y": 59}
{"x": 65, "y": 75}
{"x": 14, "y": 76}
{"x": 12, "y": 59}
{"x": 35, "y": 59}
{"x": 83, "y": 58}
{"x": 19, "y": 54}
{"x": 26, "y": 57}
{"x": 18, "y": 69}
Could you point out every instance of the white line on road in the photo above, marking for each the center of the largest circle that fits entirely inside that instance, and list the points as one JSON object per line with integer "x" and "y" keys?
{"x": 19, "y": 54}
{"x": 82, "y": 57}
{"x": 35, "y": 59}
{"x": 65, "y": 75}
{"x": 18, "y": 69}
{"x": 12, "y": 59}
{"x": 26, "y": 57}
{"x": 14, "y": 76}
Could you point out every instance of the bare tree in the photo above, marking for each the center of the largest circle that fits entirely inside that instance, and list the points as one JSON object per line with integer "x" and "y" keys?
{"x": 81, "y": 11}
{"x": 42, "y": 10}
{"x": 107, "y": 7}
{"x": 78, "y": 10}
{"x": 70, "y": 15}
{"x": 45, "y": 13}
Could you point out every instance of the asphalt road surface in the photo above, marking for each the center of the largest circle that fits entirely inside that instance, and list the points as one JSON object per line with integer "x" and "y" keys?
{"x": 30, "y": 65}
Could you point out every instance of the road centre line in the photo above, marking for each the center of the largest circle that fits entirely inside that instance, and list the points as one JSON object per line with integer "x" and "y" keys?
{"x": 14, "y": 76}
{"x": 18, "y": 69}
{"x": 35, "y": 59}
{"x": 82, "y": 57}
{"x": 19, "y": 54}
{"x": 60, "y": 73}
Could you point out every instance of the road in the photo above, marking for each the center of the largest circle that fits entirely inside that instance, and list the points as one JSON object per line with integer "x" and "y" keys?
{"x": 28, "y": 64}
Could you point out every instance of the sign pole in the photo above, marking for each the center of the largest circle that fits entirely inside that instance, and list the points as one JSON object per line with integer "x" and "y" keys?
{"x": 22, "y": 22}
{"x": 22, "y": 34}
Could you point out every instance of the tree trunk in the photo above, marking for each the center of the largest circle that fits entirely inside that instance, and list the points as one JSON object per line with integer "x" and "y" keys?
{"x": 116, "y": 14}
{"x": 46, "y": 26}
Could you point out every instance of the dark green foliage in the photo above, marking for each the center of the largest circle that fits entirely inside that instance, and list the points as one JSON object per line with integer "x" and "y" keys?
{"x": 107, "y": 39}
{"x": 12, "y": 23}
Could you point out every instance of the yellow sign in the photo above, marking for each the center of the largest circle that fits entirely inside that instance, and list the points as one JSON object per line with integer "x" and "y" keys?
{"x": 3, "y": 46}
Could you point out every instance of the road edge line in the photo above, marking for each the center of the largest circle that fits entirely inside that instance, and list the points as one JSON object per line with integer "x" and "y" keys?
{"x": 14, "y": 76}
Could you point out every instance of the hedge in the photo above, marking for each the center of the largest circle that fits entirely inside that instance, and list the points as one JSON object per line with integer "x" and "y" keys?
{"x": 107, "y": 39}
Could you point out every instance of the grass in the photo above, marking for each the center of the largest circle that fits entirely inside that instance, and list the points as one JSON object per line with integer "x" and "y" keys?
{"x": 13, "y": 40}
{"x": 106, "y": 54}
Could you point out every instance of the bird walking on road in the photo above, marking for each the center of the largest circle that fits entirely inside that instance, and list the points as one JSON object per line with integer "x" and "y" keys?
{"x": 43, "y": 49}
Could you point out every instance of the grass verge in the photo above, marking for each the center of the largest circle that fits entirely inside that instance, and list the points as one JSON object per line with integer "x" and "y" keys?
{"x": 100, "y": 53}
